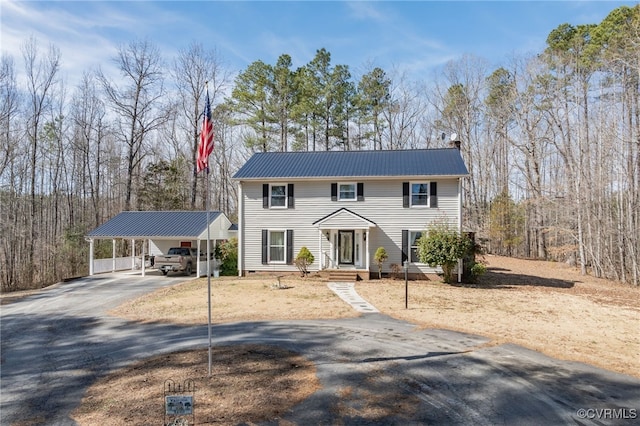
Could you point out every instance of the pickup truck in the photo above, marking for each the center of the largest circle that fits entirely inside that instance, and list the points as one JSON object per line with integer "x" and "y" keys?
{"x": 177, "y": 259}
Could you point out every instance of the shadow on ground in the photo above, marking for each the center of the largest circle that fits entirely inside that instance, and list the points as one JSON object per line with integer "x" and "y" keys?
{"x": 504, "y": 278}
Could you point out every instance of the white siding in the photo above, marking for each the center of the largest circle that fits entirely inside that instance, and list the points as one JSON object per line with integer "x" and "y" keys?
{"x": 382, "y": 205}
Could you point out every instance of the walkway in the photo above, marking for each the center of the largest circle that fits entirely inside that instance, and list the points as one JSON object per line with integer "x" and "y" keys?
{"x": 347, "y": 292}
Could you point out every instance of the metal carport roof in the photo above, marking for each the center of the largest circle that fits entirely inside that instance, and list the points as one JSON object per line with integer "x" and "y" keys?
{"x": 155, "y": 224}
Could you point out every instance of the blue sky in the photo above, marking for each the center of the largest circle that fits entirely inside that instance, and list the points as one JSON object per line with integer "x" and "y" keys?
{"x": 410, "y": 36}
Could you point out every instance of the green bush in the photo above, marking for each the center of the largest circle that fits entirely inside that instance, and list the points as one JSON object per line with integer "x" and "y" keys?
{"x": 303, "y": 260}
{"x": 442, "y": 245}
{"x": 380, "y": 257}
{"x": 227, "y": 252}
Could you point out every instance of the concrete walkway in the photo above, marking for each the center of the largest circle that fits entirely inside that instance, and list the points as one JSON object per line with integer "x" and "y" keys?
{"x": 347, "y": 292}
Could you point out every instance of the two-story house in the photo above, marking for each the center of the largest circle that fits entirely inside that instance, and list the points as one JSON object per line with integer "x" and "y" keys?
{"x": 343, "y": 205}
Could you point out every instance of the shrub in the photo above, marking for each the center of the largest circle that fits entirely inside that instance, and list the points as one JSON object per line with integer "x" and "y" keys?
{"x": 477, "y": 270}
{"x": 303, "y": 260}
{"x": 380, "y": 257}
{"x": 227, "y": 252}
{"x": 442, "y": 245}
{"x": 395, "y": 270}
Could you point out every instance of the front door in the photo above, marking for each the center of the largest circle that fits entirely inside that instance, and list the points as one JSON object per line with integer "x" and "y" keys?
{"x": 345, "y": 247}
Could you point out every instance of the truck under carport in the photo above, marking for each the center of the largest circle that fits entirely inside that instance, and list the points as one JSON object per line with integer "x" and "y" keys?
{"x": 159, "y": 230}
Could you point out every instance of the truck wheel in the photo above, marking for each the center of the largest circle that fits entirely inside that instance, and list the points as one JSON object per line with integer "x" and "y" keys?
{"x": 163, "y": 272}
{"x": 188, "y": 269}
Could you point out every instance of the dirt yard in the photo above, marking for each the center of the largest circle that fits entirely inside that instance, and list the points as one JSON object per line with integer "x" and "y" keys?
{"x": 548, "y": 307}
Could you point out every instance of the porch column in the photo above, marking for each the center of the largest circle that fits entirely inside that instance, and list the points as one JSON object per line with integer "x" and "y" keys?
{"x": 113, "y": 255}
{"x": 366, "y": 233}
{"x": 90, "y": 256}
{"x": 320, "y": 256}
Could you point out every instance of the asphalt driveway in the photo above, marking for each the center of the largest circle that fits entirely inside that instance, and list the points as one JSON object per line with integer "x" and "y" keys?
{"x": 54, "y": 344}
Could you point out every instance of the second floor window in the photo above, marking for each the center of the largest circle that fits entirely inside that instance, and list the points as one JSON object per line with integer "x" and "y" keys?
{"x": 347, "y": 191}
{"x": 420, "y": 194}
{"x": 278, "y": 195}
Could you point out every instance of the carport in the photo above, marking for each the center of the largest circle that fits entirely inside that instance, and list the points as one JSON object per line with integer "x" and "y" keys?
{"x": 159, "y": 231}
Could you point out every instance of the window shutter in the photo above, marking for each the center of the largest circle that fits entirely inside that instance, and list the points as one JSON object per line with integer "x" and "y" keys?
{"x": 265, "y": 195}
{"x": 405, "y": 194}
{"x": 289, "y": 246}
{"x": 265, "y": 246}
{"x": 290, "y": 196}
{"x": 334, "y": 192}
{"x": 360, "y": 191}
{"x": 405, "y": 245}
{"x": 433, "y": 194}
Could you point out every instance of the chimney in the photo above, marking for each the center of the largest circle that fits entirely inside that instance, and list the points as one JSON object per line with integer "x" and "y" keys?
{"x": 455, "y": 144}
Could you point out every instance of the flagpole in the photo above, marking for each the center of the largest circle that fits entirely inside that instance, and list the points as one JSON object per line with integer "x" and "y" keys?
{"x": 207, "y": 203}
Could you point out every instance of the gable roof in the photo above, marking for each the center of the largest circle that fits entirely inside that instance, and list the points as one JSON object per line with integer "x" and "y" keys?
{"x": 171, "y": 224}
{"x": 351, "y": 164}
{"x": 340, "y": 216}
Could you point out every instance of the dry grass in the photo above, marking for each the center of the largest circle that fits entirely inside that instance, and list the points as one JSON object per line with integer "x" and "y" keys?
{"x": 249, "y": 383}
{"x": 249, "y": 299}
{"x": 548, "y": 307}
{"x": 544, "y": 306}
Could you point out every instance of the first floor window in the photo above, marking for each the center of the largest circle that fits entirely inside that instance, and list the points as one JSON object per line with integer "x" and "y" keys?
{"x": 414, "y": 236}
{"x": 276, "y": 246}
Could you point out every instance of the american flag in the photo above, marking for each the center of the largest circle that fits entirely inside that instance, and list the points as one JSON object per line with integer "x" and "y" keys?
{"x": 205, "y": 147}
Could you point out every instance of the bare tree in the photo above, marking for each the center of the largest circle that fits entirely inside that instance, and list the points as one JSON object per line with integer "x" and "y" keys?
{"x": 192, "y": 69}
{"x": 137, "y": 102}
{"x": 41, "y": 80}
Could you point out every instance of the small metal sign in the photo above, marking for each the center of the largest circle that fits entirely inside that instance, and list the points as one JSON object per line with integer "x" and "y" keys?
{"x": 178, "y": 402}
{"x": 178, "y": 405}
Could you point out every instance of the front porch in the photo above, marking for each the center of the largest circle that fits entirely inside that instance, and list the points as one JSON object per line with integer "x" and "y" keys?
{"x": 343, "y": 242}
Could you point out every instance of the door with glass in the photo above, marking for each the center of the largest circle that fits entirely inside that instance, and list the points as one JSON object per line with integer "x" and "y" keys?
{"x": 345, "y": 247}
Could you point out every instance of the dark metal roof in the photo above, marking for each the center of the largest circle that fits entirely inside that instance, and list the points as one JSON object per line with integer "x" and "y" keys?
{"x": 328, "y": 164}
{"x": 155, "y": 224}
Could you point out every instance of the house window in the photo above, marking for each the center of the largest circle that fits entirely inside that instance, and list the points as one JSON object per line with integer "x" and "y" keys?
{"x": 278, "y": 196}
{"x": 414, "y": 236}
{"x": 347, "y": 191}
{"x": 420, "y": 194}
{"x": 276, "y": 246}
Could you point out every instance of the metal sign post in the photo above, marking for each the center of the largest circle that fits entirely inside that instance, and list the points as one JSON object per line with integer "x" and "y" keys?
{"x": 406, "y": 285}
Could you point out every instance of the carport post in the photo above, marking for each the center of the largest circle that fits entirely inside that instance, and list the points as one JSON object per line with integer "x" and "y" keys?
{"x": 143, "y": 252}
{"x": 133, "y": 255}
{"x": 90, "y": 256}
{"x": 113, "y": 255}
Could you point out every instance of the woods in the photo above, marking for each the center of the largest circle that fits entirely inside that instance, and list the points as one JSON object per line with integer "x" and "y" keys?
{"x": 551, "y": 141}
